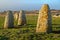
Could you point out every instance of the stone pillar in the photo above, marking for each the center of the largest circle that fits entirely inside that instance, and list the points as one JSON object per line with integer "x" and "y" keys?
{"x": 9, "y": 20}
{"x": 44, "y": 23}
{"x": 21, "y": 18}
{"x": 16, "y": 16}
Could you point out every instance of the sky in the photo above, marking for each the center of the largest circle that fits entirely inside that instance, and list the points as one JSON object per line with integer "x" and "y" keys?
{"x": 28, "y": 4}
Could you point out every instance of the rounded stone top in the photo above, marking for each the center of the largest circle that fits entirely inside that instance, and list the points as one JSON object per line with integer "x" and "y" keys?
{"x": 45, "y": 8}
{"x": 21, "y": 11}
{"x": 9, "y": 11}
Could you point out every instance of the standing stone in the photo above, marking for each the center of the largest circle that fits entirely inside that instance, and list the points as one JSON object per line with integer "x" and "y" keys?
{"x": 21, "y": 18}
{"x": 16, "y": 16}
{"x": 44, "y": 22}
{"x": 9, "y": 20}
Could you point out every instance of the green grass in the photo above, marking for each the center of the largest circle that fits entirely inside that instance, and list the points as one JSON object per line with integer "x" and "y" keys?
{"x": 56, "y": 23}
{"x": 27, "y": 32}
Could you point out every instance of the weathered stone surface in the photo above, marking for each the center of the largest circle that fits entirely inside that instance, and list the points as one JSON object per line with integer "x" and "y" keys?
{"x": 22, "y": 18}
{"x": 9, "y": 20}
{"x": 44, "y": 22}
{"x": 16, "y": 15}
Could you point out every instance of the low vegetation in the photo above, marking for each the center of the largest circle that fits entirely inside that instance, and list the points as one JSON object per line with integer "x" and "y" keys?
{"x": 27, "y": 32}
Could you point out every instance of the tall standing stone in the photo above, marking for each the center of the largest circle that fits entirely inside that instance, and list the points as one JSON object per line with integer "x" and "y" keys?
{"x": 16, "y": 16}
{"x": 44, "y": 22}
{"x": 9, "y": 20}
{"x": 21, "y": 18}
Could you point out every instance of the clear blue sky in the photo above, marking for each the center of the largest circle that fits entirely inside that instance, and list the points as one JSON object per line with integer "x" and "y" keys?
{"x": 27, "y": 4}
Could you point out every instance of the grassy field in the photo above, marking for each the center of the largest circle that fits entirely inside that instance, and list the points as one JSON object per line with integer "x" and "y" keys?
{"x": 27, "y": 32}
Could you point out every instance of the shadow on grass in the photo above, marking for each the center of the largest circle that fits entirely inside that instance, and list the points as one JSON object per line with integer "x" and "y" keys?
{"x": 56, "y": 26}
{"x": 25, "y": 26}
{"x": 21, "y": 26}
{"x": 31, "y": 25}
{"x": 56, "y": 32}
{"x": 4, "y": 38}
